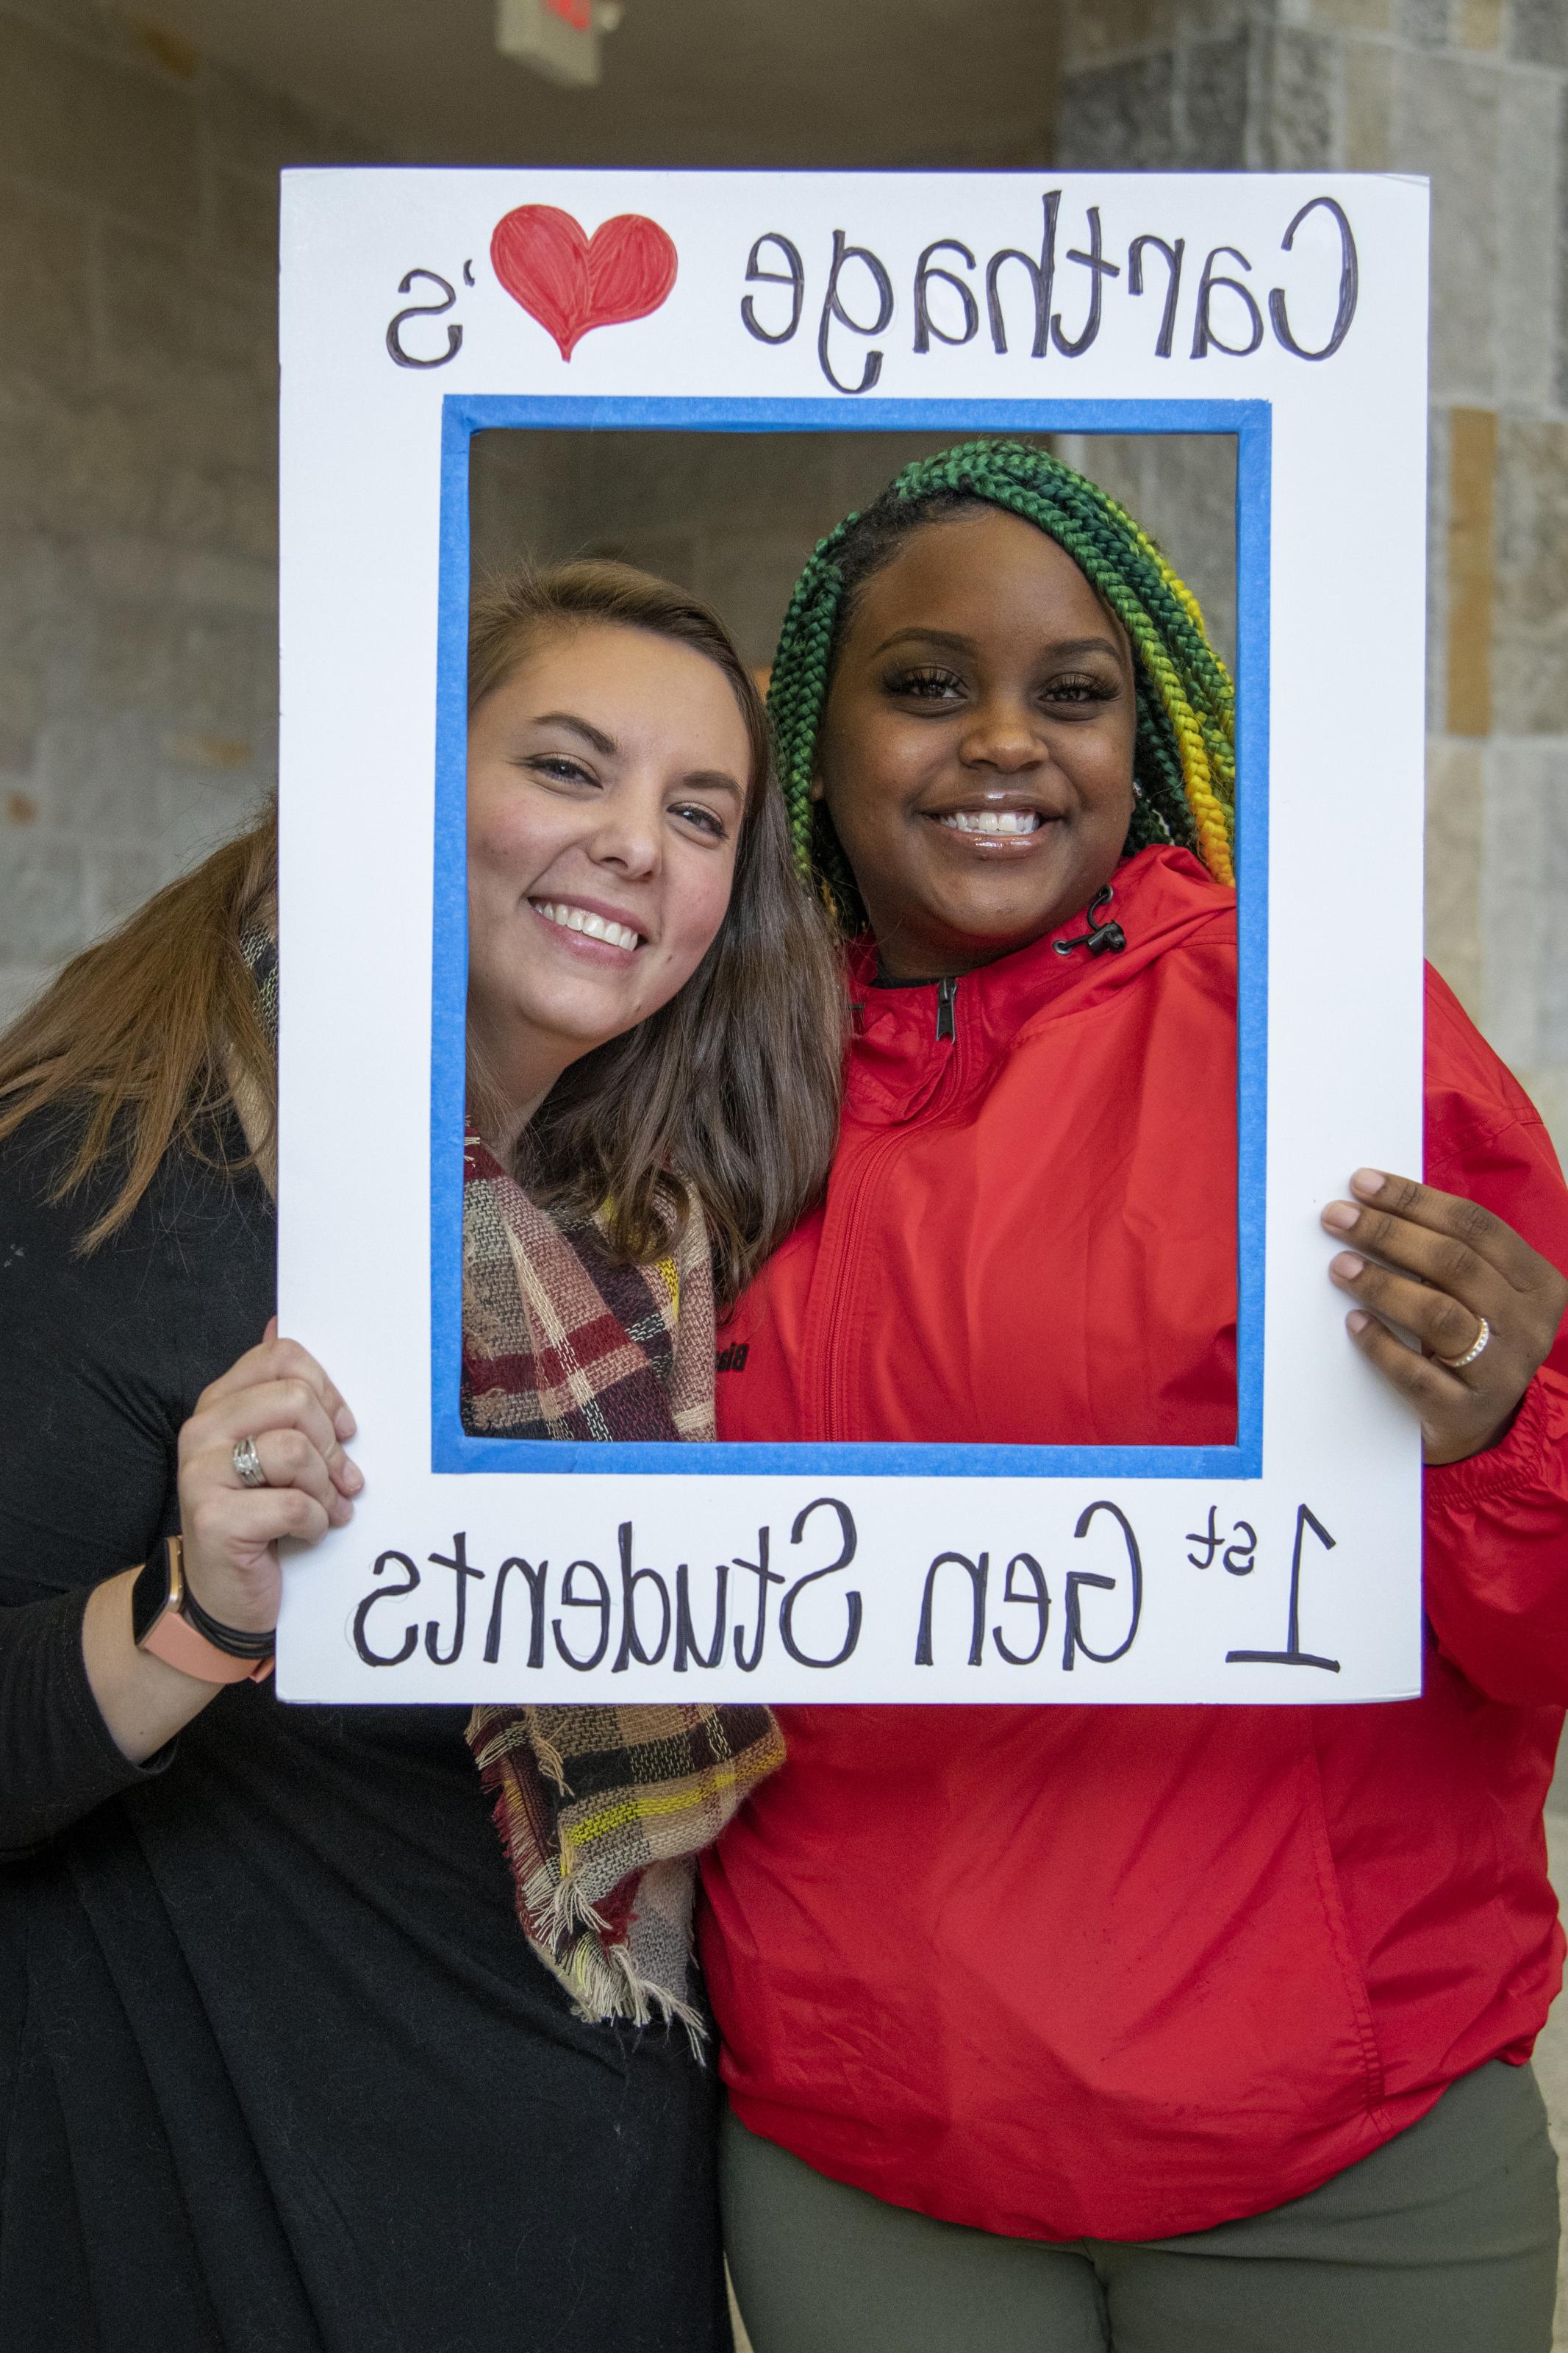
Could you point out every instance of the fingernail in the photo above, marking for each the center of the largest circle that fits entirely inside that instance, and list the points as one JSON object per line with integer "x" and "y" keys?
{"x": 1357, "y": 1320}
{"x": 1341, "y": 1216}
{"x": 343, "y": 1422}
{"x": 1368, "y": 1180}
{"x": 1347, "y": 1266}
{"x": 354, "y": 1478}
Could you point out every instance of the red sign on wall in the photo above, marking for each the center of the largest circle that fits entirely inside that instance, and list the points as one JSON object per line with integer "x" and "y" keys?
{"x": 559, "y": 38}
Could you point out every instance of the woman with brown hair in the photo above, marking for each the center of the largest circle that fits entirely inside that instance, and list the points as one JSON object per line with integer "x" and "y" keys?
{"x": 286, "y": 2059}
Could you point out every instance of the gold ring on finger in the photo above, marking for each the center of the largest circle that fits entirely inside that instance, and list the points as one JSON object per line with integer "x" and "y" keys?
{"x": 1481, "y": 1340}
{"x": 247, "y": 1467}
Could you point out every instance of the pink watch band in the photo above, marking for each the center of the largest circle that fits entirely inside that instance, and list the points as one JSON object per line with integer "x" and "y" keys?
{"x": 178, "y": 1644}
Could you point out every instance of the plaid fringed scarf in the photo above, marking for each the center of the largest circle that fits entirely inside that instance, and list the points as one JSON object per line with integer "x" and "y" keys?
{"x": 559, "y": 1341}
{"x": 600, "y": 1810}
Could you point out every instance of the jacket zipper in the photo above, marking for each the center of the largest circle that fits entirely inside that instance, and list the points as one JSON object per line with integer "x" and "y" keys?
{"x": 947, "y": 1010}
{"x": 839, "y": 1374}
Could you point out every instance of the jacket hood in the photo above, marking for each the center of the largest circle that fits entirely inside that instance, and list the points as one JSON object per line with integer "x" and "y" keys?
{"x": 907, "y": 1035}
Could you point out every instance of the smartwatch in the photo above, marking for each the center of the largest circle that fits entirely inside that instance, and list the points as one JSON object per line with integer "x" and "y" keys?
{"x": 169, "y": 1622}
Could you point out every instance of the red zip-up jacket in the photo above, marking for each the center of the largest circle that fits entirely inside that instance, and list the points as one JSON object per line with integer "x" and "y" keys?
{"x": 1126, "y": 1971}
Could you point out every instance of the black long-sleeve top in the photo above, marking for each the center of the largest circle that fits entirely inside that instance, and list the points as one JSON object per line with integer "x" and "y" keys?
{"x": 278, "y": 2071}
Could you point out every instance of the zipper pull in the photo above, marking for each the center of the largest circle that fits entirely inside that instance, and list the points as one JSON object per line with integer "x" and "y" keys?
{"x": 946, "y": 1009}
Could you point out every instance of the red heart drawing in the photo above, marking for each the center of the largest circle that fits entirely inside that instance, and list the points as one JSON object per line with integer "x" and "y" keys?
{"x": 572, "y": 283}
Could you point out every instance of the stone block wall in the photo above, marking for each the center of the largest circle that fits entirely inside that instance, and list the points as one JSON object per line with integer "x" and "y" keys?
{"x": 730, "y": 516}
{"x": 733, "y": 516}
{"x": 138, "y": 460}
{"x": 1473, "y": 93}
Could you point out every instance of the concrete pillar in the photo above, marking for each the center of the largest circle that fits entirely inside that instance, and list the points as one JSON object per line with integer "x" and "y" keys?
{"x": 1475, "y": 94}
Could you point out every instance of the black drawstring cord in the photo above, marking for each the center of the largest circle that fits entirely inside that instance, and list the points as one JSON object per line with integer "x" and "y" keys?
{"x": 1102, "y": 938}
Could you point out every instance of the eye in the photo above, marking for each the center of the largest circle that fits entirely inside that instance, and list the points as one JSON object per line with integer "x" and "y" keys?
{"x": 559, "y": 768}
{"x": 705, "y": 820}
{"x": 1082, "y": 688}
{"x": 927, "y": 684}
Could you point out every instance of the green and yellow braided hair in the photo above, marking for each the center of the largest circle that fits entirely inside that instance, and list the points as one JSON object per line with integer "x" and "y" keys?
{"x": 1184, "y": 758}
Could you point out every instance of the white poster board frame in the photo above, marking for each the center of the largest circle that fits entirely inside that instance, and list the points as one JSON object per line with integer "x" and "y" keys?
{"x": 875, "y": 303}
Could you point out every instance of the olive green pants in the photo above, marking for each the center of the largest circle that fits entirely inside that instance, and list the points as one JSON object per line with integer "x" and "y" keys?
{"x": 1443, "y": 2241}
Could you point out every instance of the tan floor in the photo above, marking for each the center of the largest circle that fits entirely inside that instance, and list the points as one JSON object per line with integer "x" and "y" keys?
{"x": 742, "y": 2342}
{"x": 1551, "y": 2066}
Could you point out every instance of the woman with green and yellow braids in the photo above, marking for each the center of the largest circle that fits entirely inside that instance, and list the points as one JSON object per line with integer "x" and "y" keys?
{"x": 1183, "y": 775}
{"x": 1076, "y": 2028}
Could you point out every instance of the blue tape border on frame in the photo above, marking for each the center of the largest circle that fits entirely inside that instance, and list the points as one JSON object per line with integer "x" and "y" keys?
{"x": 463, "y": 415}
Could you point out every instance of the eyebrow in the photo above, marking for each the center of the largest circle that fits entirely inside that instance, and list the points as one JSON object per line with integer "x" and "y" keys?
{"x": 1060, "y": 645}
{"x": 714, "y": 780}
{"x": 594, "y": 736}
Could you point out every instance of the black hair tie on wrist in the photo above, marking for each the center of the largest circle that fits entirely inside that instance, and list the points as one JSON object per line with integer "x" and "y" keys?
{"x": 228, "y": 1638}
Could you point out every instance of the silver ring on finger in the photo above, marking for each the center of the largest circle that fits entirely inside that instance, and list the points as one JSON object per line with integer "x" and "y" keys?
{"x": 247, "y": 1467}
{"x": 1477, "y": 1348}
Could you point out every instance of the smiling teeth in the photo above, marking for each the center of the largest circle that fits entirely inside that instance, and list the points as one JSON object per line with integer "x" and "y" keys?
{"x": 993, "y": 821}
{"x": 578, "y": 919}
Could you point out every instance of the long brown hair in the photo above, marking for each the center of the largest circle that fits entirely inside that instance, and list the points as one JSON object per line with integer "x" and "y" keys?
{"x": 731, "y": 1089}
{"x": 154, "y": 1034}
